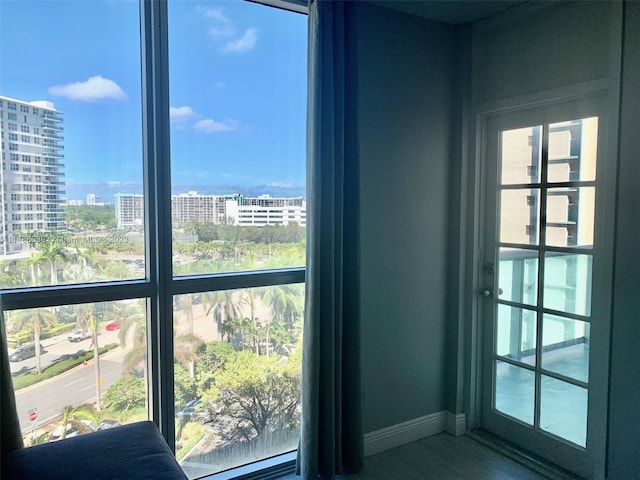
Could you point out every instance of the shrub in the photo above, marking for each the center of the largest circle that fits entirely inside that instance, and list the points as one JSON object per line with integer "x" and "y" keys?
{"x": 28, "y": 379}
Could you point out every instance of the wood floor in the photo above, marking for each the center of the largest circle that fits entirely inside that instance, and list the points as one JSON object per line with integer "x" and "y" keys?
{"x": 442, "y": 457}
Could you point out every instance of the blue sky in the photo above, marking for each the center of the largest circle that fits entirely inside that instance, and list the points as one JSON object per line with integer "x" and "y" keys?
{"x": 237, "y": 90}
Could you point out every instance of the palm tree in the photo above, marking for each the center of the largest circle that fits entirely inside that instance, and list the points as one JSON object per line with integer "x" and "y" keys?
{"x": 86, "y": 319}
{"x": 83, "y": 256}
{"x": 185, "y": 352}
{"x": 283, "y": 302}
{"x": 77, "y": 274}
{"x": 51, "y": 251}
{"x": 185, "y": 302}
{"x": 34, "y": 262}
{"x": 138, "y": 326}
{"x": 225, "y": 309}
{"x": 38, "y": 317}
{"x": 254, "y": 327}
{"x": 74, "y": 416}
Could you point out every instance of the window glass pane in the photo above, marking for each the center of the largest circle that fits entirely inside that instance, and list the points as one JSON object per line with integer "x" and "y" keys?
{"x": 520, "y": 155}
{"x": 518, "y": 276}
{"x": 563, "y": 410}
{"x": 567, "y": 282}
{"x": 520, "y": 216}
{"x": 78, "y": 368}
{"x": 516, "y": 334}
{"x": 573, "y": 148}
{"x": 514, "y": 391}
{"x": 237, "y": 376}
{"x": 238, "y": 132}
{"x": 570, "y": 216}
{"x": 565, "y": 345}
{"x": 78, "y": 112}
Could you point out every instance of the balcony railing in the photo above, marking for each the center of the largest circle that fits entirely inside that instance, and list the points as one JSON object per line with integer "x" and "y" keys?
{"x": 567, "y": 289}
{"x": 51, "y": 116}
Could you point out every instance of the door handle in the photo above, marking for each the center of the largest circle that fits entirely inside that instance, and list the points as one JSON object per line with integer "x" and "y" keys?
{"x": 487, "y": 292}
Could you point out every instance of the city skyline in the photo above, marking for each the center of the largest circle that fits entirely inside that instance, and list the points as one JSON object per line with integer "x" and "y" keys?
{"x": 237, "y": 93}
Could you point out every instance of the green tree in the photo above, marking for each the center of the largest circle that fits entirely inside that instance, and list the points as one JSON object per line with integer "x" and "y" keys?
{"x": 134, "y": 326}
{"x": 86, "y": 320}
{"x": 185, "y": 350}
{"x": 225, "y": 308}
{"x": 185, "y": 303}
{"x": 213, "y": 359}
{"x": 35, "y": 259}
{"x": 127, "y": 393}
{"x": 83, "y": 256}
{"x": 185, "y": 386}
{"x": 89, "y": 217}
{"x": 259, "y": 393}
{"x": 284, "y": 303}
{"x": 37, "y": 318}
{"x": 51, "y": 251}
{"x": 253, "y": 327}
{"x": 75, "y": 416}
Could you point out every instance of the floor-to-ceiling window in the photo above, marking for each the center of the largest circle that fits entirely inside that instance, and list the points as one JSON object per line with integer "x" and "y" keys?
{"x": 153, "y": 221}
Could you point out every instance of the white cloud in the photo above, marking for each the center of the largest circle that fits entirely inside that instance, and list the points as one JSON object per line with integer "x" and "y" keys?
{"x": 244, "y": 43}
{"x": 114, "y": 183}
{"x": 91, "y": 90}
{"x": 221, "y": 25}
{"x": 180, "y": 113}
{"x": 282, "y": 185}
{"x": 209, "y": 125}
{"x": 220, "y": 85}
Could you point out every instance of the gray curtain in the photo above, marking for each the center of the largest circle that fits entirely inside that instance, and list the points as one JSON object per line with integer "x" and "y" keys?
{"x": 331, "y": 433}
{"x": 10, "y": 436}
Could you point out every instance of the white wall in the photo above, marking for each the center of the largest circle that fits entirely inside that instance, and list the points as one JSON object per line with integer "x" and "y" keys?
{"x": 405, "y": 115}
{"x": 540, "y": 49}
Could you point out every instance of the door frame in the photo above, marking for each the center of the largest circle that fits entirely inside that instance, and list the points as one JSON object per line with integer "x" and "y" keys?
{"x": 475, "y": 283}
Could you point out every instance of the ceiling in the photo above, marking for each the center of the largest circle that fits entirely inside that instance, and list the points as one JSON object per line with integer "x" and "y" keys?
{"x": 450, "y": 11}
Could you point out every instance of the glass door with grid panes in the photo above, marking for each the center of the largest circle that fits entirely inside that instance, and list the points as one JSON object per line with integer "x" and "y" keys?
{"x": 543, "y": 282}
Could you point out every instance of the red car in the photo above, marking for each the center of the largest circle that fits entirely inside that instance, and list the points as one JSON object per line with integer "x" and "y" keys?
{"x": 112, "y": 325}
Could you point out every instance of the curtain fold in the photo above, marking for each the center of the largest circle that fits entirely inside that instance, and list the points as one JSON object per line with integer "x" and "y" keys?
{"x": 10, "y": 435}
{"x": 331, "y": 440}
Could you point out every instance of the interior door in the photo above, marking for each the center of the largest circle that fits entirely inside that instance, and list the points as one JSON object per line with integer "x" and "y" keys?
{"x": 545, "y": 283}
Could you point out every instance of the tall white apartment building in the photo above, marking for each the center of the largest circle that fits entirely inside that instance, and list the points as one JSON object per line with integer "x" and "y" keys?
{"x": 187, "y": 207}
{"x": 32, "y": 173}
{"x": 129, "y": 210}
{"x": 235, "y": 208}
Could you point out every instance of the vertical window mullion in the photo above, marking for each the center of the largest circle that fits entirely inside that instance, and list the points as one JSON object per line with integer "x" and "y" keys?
{"x": 541, "y": 269}
{"x": 155, "y": 97}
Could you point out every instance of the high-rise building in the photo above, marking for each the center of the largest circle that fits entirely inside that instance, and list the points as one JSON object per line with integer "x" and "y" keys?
{"x": 233, "y": 209}
{"x": 187, "y": 207}
{"x": 32, "y": 173}
{"x": 129, "y": 210}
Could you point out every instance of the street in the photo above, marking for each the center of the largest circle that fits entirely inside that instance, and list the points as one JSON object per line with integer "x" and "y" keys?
{"x": 77, "y": 386}
{"x": 58, "y": 347}
{"x": 71, "y": 388}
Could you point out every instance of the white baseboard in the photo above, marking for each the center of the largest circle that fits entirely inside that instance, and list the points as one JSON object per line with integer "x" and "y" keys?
{"x": 412, "y": 430}
{"x": 405, "y": 432}
{"x": 456, "y": 424}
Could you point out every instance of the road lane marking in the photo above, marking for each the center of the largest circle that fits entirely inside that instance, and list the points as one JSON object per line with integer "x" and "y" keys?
{"x": 75, "y": 381}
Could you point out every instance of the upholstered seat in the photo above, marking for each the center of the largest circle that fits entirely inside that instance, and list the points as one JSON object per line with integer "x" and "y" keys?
{"x": 135, "y": 451}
